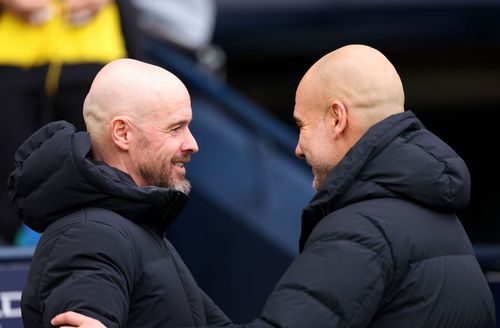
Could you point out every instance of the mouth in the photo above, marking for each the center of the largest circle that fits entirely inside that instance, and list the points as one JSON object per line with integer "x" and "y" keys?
{"x": 180, "y": 162}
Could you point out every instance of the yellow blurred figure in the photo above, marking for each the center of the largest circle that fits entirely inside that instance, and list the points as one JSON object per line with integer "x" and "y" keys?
{"x": 50, "y": 51}
{"x": 53, "y": 35}
{"x": 56, "y": 35}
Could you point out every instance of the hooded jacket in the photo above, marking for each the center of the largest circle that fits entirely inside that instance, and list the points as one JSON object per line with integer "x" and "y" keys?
{"x": 102, "y": 252}
{"x": 380, "y": 243}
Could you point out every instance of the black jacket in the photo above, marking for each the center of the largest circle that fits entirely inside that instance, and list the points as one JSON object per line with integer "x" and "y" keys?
{"x": 381, "y": 245}
{"x": 102, "y": 251}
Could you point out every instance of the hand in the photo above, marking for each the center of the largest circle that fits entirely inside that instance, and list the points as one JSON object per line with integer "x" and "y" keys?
{"x": 31, "y": 11}
{"x": 79, "y": 12}
{"x": 72, "y": 319}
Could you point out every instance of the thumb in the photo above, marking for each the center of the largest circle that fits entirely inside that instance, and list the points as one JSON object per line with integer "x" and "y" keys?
{"x": 67, "y": 318}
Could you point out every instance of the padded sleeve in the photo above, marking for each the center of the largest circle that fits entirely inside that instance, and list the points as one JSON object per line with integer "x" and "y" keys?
{"x": 337, "y": 281}
{"x": 90, "y": 270}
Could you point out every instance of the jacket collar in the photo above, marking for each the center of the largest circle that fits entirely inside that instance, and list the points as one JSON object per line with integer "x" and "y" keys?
{"x": 55, "y": 175}
{"x": 331, "y": 194}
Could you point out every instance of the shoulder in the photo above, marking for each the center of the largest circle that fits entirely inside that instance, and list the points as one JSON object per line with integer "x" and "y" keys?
{"x": 90, "y": 231}
{"x": 77, "y": 245}
{"x": 92, "y": 220}
{"x": 355, "y": 224}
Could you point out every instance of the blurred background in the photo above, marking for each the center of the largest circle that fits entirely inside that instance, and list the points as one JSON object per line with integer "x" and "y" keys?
{"x": 242, "y": 61}
{"x": 447, "y": 53}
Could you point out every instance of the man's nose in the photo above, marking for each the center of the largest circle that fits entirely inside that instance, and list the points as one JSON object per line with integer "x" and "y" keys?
{"x": 298, "y": 151}
{"x": 191, "y": 145}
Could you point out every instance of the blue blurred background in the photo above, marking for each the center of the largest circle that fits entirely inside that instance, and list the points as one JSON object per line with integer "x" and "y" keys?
{"x": 240, "y": 230}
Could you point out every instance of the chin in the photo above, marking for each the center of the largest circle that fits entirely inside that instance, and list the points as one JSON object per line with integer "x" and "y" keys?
{"x": 315, "y": 185}
{"x": 183, "y": 186}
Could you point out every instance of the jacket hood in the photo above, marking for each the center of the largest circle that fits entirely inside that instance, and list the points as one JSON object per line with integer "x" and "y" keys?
{"x": 396, "y": 158}
{"x": 55, "y": 175}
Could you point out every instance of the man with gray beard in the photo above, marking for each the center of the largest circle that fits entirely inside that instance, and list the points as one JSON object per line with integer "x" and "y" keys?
{"x": 104, "y": 199}
{"x": 381, "y": 245}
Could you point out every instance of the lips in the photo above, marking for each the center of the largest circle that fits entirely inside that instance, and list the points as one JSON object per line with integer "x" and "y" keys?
{"x": 180, "y": 161}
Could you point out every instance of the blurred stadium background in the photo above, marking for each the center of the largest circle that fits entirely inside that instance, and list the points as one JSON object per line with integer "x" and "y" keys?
{"x": 240, "y": 229}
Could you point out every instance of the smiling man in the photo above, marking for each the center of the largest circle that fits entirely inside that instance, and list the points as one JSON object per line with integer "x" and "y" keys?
{"x": 103, "y": 201}
{"x": 380, "y": 245}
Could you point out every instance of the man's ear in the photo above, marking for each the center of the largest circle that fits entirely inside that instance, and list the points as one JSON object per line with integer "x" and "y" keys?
{"x": 337, "y": 117}
{"x": 120, "y": 132}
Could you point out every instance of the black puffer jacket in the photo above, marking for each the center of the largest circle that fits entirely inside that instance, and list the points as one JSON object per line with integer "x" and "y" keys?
{"x": 102, "y": 252}
{"x": 381, "y": 245}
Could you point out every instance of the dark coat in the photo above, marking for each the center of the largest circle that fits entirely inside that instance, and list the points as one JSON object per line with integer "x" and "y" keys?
{"x": 102, "y": 251}
{"x": 381, "y": 245}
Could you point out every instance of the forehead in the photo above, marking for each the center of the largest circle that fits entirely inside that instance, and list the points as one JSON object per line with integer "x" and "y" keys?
{"x": 297, "y": 113}
{"x": 168, "y": 110}
{"x": 172, "y": 98}
{"x": 304, "y": 101}
{"x": 172, "y": 114}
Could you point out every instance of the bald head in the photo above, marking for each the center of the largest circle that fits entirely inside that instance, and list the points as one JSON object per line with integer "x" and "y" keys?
{"x": 138, "y": 118}
{"x": 360, "y": 77}
{"x": 127, "y": 87}
{"x": 339, "y": 98}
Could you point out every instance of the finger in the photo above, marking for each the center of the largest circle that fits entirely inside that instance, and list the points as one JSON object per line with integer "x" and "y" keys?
{"x": 94, "y": 6}
{"x": 70, "y": 6}
{"x": 25, "y": 5}
{"x": 25, "y": 9}
{"x": 77, "y": 12}
{"x": 80, "y": 17}
{"x": 42, "y": 15}
{"x": 67, "y": 318}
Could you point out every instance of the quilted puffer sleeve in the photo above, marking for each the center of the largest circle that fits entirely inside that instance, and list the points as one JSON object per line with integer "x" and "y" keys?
{"x": 337, "y": 281}
{"x": 90, "y": 271}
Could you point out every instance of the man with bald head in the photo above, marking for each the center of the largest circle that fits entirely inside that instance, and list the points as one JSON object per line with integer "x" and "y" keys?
{"x": 342, "y": 96}
{"x": 157, "y": 111}
{"x": 103, "y": 200}
{"x": 381, "y": 245}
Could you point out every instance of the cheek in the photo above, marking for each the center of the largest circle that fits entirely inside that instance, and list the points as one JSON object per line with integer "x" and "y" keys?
{"x": 306, "y": 141}
{"x": 312, "y": 144}
{"x": 167, "y": 152}
{"x": 321, "y": 151}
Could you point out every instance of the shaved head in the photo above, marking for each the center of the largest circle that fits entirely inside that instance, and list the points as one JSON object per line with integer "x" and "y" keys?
{"x": 339, "y": 98}
{"x": 359, "y": 76}
{"x": 138, "y": 116}
{"x": 131, "y": 88}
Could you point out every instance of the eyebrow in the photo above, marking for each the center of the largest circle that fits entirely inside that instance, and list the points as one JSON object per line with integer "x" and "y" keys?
{"x": 175, "y": 123}
{"x": 179, "y": 122}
